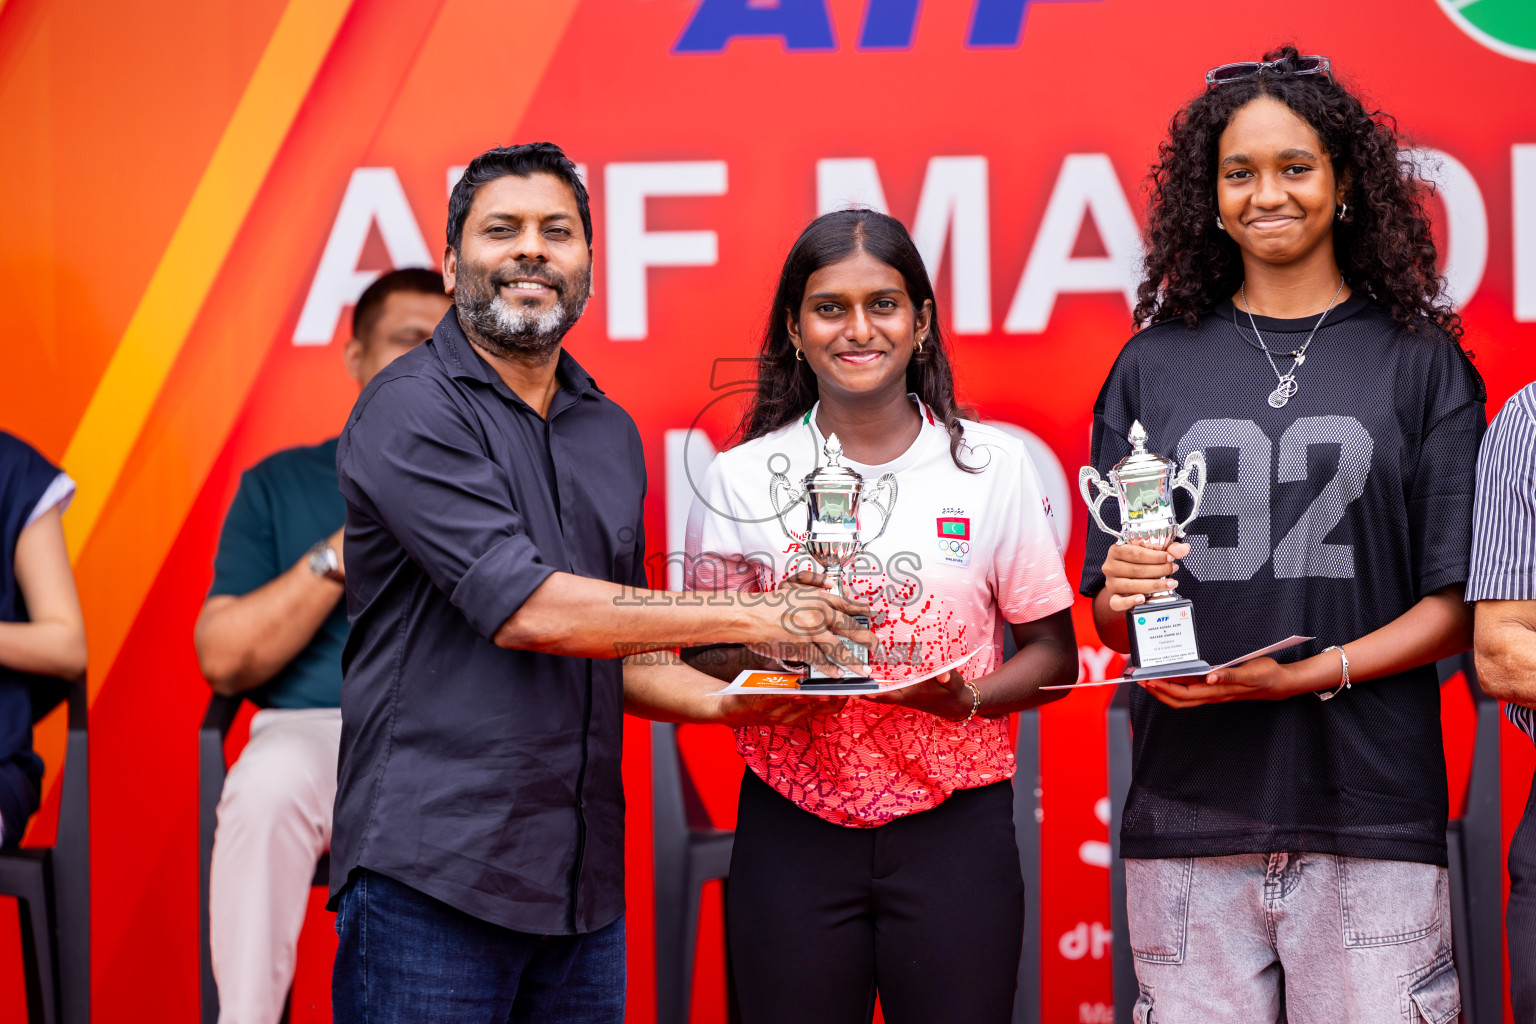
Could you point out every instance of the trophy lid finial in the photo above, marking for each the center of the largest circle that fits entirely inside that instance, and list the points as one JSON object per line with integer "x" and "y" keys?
{"x": 1138, "y": 438}
{"x": 833, "y": 450}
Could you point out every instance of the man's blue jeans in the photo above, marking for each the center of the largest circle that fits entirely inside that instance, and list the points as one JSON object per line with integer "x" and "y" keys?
{"x": 406, "y": 958}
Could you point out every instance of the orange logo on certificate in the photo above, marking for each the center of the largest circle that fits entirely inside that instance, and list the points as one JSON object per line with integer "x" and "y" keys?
{"x": 770, "y": 681}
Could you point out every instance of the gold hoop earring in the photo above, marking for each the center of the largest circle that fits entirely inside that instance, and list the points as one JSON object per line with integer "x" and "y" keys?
{"x": 799, "y": 356}
{"x": 919, "y": 346}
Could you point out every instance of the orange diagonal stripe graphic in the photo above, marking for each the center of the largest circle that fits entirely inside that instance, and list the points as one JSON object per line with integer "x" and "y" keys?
{"x": 159, "y": 326}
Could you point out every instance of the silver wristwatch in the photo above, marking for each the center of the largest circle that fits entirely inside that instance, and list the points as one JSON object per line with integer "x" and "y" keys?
{"x": 322, "y": 561}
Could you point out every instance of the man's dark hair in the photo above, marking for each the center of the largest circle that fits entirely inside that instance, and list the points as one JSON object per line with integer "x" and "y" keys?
{"x": 786, "y": 386}
{"x": 517, "y": 161}
{"x": 370, "y": 305}
{"x": 1383, "y": 244}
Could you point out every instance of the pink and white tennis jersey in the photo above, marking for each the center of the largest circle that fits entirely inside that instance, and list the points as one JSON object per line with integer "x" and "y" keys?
{"x": 964, "y": 552}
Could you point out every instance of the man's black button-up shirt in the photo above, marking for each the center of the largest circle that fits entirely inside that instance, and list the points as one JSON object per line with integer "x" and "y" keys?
{"x": 486, "y": 778}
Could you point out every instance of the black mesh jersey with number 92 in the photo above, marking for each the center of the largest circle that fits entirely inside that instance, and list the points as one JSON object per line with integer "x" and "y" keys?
{"x": 1329, "y": 518}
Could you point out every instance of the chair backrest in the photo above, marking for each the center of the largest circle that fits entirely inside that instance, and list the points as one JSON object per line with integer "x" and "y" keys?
{"x": 218, "y": 719}
{"x": 1118, "y": 742}
{"x": 211, "y": 771}
{"x": 72, "y": 860}
{"x": 1479, "y": 832}
{"x": 1026, "y": 829}
{"x": 47, "y": 693}
{"x": 70, "y": 856}
{"x": 676, "y": 808}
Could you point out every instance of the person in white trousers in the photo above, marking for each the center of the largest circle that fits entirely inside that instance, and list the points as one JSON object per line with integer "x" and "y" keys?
{"x": 274, "y": 619}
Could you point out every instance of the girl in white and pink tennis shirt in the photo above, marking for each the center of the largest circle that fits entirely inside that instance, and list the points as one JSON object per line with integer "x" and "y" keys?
{"x": 874, "y": 848}
{"x": 963, "y": 555}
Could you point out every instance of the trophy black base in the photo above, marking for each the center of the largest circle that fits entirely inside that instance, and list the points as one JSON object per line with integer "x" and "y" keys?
{"x": 814, "y": 683}
{"x": 1183, "y": 668}
{"x": 1163, "y": 641}
{"x": 820, "y": 681}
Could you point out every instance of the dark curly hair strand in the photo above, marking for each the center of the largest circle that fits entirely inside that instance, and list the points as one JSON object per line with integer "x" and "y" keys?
{"x": 1383, "y": 244}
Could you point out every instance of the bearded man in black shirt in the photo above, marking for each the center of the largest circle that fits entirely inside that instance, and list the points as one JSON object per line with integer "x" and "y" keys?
{"x": 495, "y": 560}
{"x": 1286, "y": 854}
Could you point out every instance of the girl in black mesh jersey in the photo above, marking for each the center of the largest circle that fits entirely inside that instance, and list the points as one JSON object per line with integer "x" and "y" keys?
{"x": 1285, "y": 853}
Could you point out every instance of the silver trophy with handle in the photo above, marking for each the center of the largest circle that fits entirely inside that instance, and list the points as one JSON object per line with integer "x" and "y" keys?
{"x": 834, "y": 496}
{"x": 1162, "y": 630}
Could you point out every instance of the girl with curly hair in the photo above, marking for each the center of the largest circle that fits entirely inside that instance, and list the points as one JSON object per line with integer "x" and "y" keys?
{"x": 1284, "y": 832}
{"x": 874, "y": 848}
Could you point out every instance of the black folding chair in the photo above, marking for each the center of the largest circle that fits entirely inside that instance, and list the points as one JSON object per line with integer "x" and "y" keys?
{"x": 689, "y": 851}
{"x": 52, "y": 885}
{"x": 211, "y": 771}
{"x": 1118, "y": 740}
{"x": 1474, "y": 841}
{"x": 1476, "y": 847}
{"x": 1026, "y": 828}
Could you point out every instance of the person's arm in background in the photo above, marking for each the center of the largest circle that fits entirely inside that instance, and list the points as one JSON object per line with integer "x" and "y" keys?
{"x": 52, "y": 642}
{"x": 1503, "y": 577}
{"x": 242, "y": 641}
{"x": 1504, "y": 642}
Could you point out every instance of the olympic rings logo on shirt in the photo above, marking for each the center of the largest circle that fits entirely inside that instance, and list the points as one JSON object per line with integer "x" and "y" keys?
{"x": 955, "y": 547}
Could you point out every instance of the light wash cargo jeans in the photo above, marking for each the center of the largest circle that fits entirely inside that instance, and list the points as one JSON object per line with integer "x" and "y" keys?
{"x": 1292, "y": 938}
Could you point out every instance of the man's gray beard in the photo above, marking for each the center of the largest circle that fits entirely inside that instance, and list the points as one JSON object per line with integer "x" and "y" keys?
{"x": 512, "y": 331}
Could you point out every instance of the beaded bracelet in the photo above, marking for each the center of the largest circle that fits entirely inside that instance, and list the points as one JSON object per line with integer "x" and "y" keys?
{"x": 975, "y": 703}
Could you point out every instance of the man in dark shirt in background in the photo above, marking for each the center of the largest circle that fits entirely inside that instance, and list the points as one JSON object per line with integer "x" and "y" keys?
{"x": 495, "y": 552}
{"x": 274, "y": 619}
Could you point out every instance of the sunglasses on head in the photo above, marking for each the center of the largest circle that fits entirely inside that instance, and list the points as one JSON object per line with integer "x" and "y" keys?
{"x": 1225, "y": 73}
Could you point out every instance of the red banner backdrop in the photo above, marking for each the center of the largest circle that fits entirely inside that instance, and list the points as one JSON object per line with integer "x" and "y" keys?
{"x": 196, "y": 191}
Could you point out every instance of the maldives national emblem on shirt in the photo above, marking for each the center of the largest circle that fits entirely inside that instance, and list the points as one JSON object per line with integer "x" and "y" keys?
{"x": 833, "y": 495}
{"x": 954, "y": 539}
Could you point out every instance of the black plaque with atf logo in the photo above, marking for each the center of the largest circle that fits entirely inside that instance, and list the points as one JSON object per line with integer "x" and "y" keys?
{"x": 1163, "y": 641}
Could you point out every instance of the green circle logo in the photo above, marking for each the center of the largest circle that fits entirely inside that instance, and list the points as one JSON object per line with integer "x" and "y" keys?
{"x": 1505, "y": 26}
{"x": 1141, "y": 620}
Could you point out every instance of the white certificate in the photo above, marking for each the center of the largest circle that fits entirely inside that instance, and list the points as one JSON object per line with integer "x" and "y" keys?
{"x": 778, "y": 682}
{"x": 1290, "y": 641}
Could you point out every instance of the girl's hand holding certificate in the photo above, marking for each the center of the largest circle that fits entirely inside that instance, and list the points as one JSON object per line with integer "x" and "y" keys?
{"x": 945, "y": 695}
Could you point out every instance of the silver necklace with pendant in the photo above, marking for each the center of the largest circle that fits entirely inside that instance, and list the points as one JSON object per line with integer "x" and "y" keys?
{"x": 1286, "y": 387}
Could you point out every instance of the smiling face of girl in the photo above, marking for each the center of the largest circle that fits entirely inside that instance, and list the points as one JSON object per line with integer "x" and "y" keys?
{"x": 1275, "y": 185}
{"x": 857, "y": 328}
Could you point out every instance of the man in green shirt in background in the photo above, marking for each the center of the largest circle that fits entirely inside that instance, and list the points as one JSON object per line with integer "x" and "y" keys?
{"x": 274, "y": 619}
